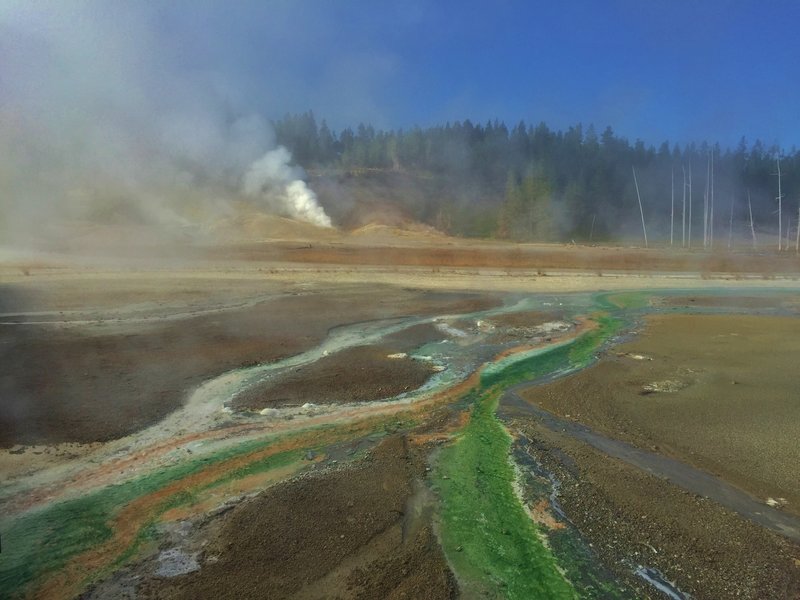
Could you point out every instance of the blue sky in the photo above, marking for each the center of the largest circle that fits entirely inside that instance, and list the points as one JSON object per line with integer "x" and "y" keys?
{"x": 677, "y": 70}
{"x": 657, "y": 70}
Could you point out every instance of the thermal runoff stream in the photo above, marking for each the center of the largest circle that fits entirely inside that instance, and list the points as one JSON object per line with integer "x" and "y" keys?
{"x": 495, "y": 506}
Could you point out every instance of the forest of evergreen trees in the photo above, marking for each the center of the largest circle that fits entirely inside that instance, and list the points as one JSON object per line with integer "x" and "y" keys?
{"x": 532, "y": 183}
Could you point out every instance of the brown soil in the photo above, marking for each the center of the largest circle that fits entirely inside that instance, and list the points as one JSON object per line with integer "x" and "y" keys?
{"x": 633, "y": 518}
{"x": 471, "y": 253}
{"x": 350, "y": 533}
{"x": 729, "y": 404}
{"x": 359, "y": 374}
{"x": 100, "y": 382}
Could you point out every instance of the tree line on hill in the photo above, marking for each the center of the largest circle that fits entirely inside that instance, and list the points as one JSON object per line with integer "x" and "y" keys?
{"x": 531, "y": 183}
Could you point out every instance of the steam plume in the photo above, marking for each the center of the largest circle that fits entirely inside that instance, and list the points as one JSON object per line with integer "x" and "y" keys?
{"x": 102, "y": 121}
{"x": 273, "y": 179}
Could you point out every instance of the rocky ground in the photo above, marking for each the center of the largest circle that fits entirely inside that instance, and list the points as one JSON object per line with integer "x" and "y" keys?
{"x": 633, "y": 519}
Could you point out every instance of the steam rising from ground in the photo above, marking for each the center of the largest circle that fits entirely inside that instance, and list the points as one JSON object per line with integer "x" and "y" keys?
{"x": 279, "y": 184}
{"x": 104, "y": 122}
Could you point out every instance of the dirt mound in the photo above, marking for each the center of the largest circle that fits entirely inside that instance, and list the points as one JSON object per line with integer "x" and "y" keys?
{"x": 405, "y": 231}
{"x": 377, "y": 211}
{"x": 248, "y": 225}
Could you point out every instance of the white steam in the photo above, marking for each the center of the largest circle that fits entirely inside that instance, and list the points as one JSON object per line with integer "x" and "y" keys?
{"x": 274, "y": 180}
{"x": 102, "y": 121}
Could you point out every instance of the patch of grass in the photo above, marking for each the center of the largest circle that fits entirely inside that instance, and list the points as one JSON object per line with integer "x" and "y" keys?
{"x": 45, "y": 540}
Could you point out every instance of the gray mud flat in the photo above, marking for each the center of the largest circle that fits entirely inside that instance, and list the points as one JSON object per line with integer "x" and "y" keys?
{"x": 678, "y": 473}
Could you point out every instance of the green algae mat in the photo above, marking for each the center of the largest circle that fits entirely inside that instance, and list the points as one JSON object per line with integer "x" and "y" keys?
{"x": 491, "y": 542}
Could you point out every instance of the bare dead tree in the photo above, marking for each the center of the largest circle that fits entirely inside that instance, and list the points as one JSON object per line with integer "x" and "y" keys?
{"x": 711, "y": 226}
{"x": 780, "y": 207}
{"x": 705, "y": 202}
{"x": 641, "y": 210}
{"x": 683, "y": 212}
{"x": 672, "y": 206}
{"x": 730, "y": 226}
{"x": 711, "y": 219}
{"x": 530, "y": 222}
{"x": 690, "y": 205}
{"x": 752, "y": 226}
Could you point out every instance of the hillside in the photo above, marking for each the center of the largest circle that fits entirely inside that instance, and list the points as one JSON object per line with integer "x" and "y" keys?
{"x": 532, "y": 183}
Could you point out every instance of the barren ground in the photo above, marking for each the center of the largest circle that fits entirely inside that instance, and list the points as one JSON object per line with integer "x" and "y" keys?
{"x": 92, "y": 354}
{"x": 630, "y": 515}
{"x": 729, "y": 404}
